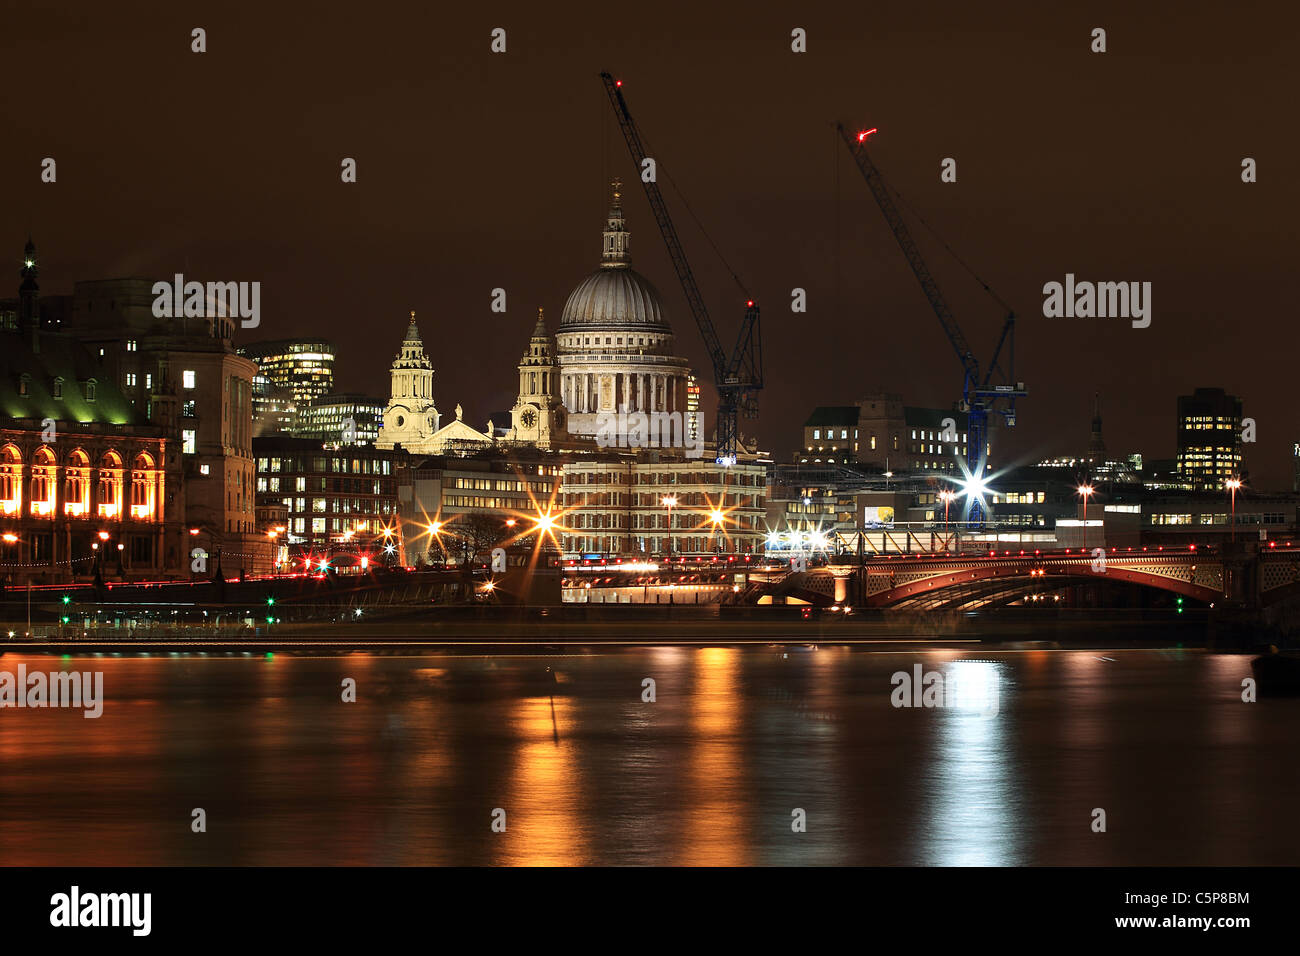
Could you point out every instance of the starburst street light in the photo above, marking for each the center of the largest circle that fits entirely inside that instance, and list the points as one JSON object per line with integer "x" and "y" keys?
{"x": 669, "y": 502}
{"x": 1087, "y": 491}
{"x": 1232, "y": 484}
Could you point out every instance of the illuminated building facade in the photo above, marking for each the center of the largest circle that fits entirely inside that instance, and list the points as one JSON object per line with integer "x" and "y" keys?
{"x": 1209, "y": 438}
{"x": 303, "y": 366}
{"x": 343, "y": 419}
{"x": 330, "y": 494}
{"x": 456, "y": 508}
{"x": 625, "y": 508}
{"x": 274, "y": 410}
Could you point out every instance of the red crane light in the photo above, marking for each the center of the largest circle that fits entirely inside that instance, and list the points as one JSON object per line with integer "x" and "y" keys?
{"x": 750, "y": 304}
{"x": 862, "y": 136}
{"x": 618, "y": 82}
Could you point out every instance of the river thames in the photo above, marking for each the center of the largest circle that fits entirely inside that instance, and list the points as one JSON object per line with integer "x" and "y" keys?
{"x": 566, "y": 752}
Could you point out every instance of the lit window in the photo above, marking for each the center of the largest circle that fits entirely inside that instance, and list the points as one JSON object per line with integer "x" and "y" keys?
{"x": 187, "y": 378}
{"x": 130, "y": 379}
{"x": 203, "y": 469}
{"x": 188, "y": 441}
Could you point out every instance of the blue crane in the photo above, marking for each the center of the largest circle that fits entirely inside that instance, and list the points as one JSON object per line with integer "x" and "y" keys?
{"x": 980, "y": 394}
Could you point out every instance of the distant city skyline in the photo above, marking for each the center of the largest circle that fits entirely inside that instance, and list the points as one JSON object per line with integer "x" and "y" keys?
{"x": 477, "y": 172}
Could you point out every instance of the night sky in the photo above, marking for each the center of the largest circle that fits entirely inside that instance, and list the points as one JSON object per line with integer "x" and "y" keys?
{"x": 478, "y": 170}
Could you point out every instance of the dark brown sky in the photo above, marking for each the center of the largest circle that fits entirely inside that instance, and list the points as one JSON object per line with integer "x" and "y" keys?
{"x": 480, "y": 170}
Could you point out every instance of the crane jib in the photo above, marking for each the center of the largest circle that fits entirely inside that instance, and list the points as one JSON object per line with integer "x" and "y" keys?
{"x": 747, "y": 358}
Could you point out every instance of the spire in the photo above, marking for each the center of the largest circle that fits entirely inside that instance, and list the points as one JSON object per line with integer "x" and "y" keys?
{"x": 1096, "y": 447}
{"x": 617, "y": 238}
{"x": 30, "y": 270}
{"x": 539, "y": 330}
{"x": 411, "y": 354}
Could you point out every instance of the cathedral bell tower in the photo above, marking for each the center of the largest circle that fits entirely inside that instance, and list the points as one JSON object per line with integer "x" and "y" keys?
{"x": 538, "y": 416}
{"x": 411, "y": 416}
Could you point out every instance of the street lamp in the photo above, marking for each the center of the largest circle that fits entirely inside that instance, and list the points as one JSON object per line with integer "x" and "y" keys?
{"x": 1087, "y": 491}
{"x": 947, "y": 498}
{"x": 670, "y": 502}
{"x": 1232, "y": 484}
{"x": 718, "y": 518}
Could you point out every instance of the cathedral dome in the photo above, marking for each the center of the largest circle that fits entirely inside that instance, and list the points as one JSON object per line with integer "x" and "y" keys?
{"x": 613, "y": 297}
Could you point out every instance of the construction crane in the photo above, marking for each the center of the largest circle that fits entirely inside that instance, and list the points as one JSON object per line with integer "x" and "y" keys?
{"x": 738, "y": 378}
{"x": 980, "y": 395}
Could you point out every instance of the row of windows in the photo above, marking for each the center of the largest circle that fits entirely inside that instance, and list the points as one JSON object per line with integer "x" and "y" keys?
{"x": 499, "y": 484}
{"x": 88, "y": 387}
{"x": 331, "y": 525}
{"x": 1267, "y": 517}
{"x": 487, "y": 501}
{"x": 319, "y": 465}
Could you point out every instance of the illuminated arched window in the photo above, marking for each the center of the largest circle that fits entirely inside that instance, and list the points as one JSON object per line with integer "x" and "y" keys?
{"x": 144, "y": 487}
{"x": 76, "y": 495}
{"x": 44, "y": 482}
{"x": 108, "y": 495}
{"x": 11, "y": 480}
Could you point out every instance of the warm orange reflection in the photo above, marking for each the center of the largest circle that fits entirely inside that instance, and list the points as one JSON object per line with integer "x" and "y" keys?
{"x": 715, "y": 815}
{"x": 543, "y": 804}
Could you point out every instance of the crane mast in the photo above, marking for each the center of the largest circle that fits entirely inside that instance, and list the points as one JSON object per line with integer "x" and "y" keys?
{"x": 736, "y": 379}
{"x": 979, "y": 394}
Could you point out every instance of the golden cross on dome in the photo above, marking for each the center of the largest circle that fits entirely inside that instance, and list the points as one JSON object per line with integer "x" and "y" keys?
{"x": 618, "y": 186}
{"x": 412, "y": 315}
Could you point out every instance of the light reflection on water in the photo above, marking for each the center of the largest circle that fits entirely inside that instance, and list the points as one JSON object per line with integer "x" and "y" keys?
{"x": 708, "y": 774}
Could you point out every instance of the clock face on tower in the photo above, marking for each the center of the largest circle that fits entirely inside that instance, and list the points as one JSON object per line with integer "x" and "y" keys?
{"x": 528, "y": 418}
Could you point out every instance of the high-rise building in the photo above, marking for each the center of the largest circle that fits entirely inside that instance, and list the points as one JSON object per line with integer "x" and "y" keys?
{"x": 1209, "y": 438}
{"x": 304, "y": 366}
{"x": 343, "y": 419}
